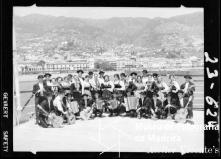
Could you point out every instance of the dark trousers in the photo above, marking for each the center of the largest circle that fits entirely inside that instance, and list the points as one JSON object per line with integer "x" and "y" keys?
{"x": 144, "y": 112}
{"x": 38, "y": 100}
{"x": 42, "y": 121}
{"x": 97, "y": 112}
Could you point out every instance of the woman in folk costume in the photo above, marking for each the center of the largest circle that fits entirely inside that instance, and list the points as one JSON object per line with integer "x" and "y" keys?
{"x": 148, "y": 86}
{"x": 119, "y": 87}
{"x": 66, "y": 85}
{"x": 47, "y": 79}
{"x": 140, "y": 86}
{"x": 55, "y": 87}
{"x": 188, "y": 89}
{"x": 107, "y": 88}
{"x": 59, "y": 81}
{"x": 76, "y": 88}
{"x": 98, "y": 104}
{"x": 86, "y": 86}
{"x": 174, "y": 87}
{"x": 86, "y": 107}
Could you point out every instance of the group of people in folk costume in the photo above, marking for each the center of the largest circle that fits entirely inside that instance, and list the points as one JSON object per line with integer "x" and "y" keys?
{"x": 88, "y": 97}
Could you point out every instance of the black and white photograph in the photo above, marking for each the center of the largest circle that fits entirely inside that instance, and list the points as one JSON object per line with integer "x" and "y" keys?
{"x": 108, "y": 79}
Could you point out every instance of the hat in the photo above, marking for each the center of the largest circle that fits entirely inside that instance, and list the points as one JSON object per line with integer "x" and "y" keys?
{"x": 144, "y": 71}
{"x": 155, "y": 75}
{"x": 101, "y": 72}
{"x": 40, "y": 76}
{"x": 142, "y": 93}
{"x": 123, "y": 74}
{"x": 78, "y": 71}
{"x": 180, "y": 91}
{"x": 133, "y": 73}
{"x": 47, "y": 74}
{"x": 188, "y": 76}
{"x": 90, "y": 73}
{"x": 84, "y": 95}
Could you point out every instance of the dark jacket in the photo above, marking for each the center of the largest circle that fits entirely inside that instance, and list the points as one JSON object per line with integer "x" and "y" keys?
{"x": 36, "y": 88}
{"x": 191, "y": 90}
{"x": 158, "y": 104}
{"x": 48, "y": 107}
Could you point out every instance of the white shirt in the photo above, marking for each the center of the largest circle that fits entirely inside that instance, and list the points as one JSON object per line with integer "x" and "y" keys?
{"x": 58, "y": 103}
{"x": 41, "y": 88}
{"x": 181, "y": 102}
{"x": 92, "y": 82}
{"x": 109, "y": 83}
{"x": 186, "y": 87}
{"x": 100, "y": 80}
{"x": 84, "y": 85}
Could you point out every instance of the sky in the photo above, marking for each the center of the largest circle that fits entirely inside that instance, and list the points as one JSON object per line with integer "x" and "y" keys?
{"x": 105, "y": 12}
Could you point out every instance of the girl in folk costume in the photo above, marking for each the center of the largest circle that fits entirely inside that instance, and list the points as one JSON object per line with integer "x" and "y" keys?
{"x": 174, "y": 87}
{"x": 148, "y": 86}
{"x": 66, "y": 85}
{"x": 98, "y": 104}
{"x": 86, "y": 107}
{"x": 86, "y": 86}
{"x": 93, "y": 80}
{"x": 140, "y": 86}
{"x": 59, "y": 82}
{"x": 101, "y": 77}
{"x": 107, "y": 88}
{"x": 119, "y": 87}
{"x": 76, "y": 88}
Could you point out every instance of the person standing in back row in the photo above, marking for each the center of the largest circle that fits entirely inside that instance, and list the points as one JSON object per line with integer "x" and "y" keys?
{"x": 39, "y": 90}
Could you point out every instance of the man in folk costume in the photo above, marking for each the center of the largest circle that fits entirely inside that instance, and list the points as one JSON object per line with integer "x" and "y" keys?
{"x": 85, "y": 102}
{"x": 183, "y": 101}
{"x": 170, "y": 106}
{"x": 188, "y": 90}
{"x": 60, "y": 108}
{"x": 39, "y": 90}
{"x": 98, "y": 104}
{"x": 144, "y": 106}
{"x": 93, "y": 83}
{"x": 157, "y": 107}
{"x": 80, "y": 76}
{"x": 76, "y": 89}
{"x": 47, "y": 106}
